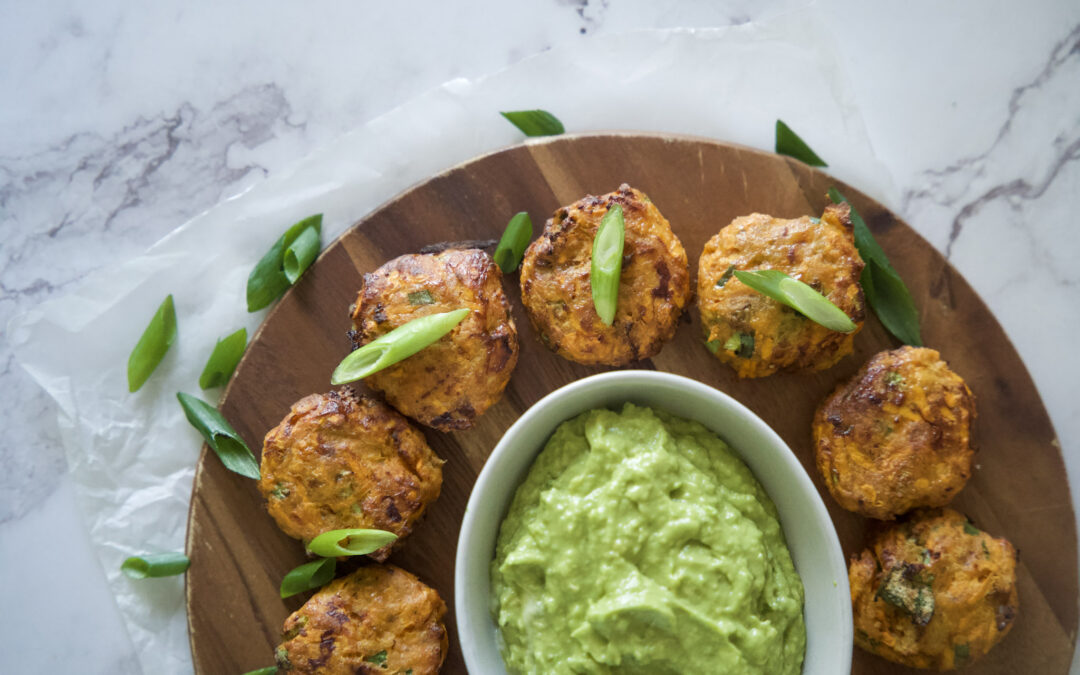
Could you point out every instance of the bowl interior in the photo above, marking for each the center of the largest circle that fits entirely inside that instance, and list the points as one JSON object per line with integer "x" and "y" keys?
{"x": 815, "y": 548}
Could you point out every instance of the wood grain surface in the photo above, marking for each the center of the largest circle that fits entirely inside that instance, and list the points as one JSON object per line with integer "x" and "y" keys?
{"x": 1018, "y": 489}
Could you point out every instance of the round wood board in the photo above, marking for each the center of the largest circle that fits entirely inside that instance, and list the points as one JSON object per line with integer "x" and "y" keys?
{"x": 1018, "y": 490}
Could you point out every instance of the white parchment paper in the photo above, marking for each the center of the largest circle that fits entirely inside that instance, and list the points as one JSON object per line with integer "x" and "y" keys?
{"x": 132, "y": 456}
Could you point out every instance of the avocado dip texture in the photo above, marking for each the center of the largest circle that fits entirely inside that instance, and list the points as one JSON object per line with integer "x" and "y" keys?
{"x": 639, "y": 543}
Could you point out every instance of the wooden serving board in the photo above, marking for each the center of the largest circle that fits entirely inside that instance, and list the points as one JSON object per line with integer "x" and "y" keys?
{"x": 1019, "y": 489}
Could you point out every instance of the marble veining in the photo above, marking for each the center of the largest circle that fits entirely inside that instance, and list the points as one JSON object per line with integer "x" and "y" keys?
{"x": 121, "y": 122}
{"x": 1031, "y": 106}
{"x": 114, "y": 196}
{"x": 591, "y": 13}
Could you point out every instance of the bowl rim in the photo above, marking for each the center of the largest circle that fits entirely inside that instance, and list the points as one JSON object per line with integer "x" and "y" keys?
{"x": 503, "y": 454}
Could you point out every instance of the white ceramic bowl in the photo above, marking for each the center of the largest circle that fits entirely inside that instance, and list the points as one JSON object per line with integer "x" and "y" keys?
{"x": 811, "y": 538}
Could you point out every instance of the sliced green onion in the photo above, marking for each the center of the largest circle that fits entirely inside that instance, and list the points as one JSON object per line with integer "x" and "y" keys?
{"x": 160, "y": 565}
{"x": 712, "y": 345}
{"x": 788, "y": 143}
{"x": 269, "y": 279}
{"x": 301, "y": 253}
{"x": 152, "y": 345}
{"x": 886, "y": 292}
{"x": 725, "y": 277}
{"x": 798, "y": 296}
{"x": 742, "y": 344}
{"x": 514, "y": 241}
{"x": 607, "y": 251}
{"x": 350, "y": 542}
{"x": 535, "y": 122}
{"x": 219, "y": 435}
{"x": 308, "y": 576}
{"x": 397, "y": 345}
{"x": 378, "y": 659}
{"x": 269, "y": 670}
{"x": 892, "y": 303}
{"x": 222, "y": 362}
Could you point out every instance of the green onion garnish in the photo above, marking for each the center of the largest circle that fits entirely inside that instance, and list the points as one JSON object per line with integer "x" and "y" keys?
{"x": 788, "y": 143}
{"x": 798, "y": 296}
{"x": 302, "y": 252}
{"x": 269, "y": 670}
{"x": 884, "y": 289}
{"x": 222, "y": 362}
{"x": 160, "y": 565}
{"x": 514, "y": 241}
{"x": 397, "y": 345}
{"x": 350, "y": 542}
{"x": 284, "y": 262}
{"x": 535, "y": 122}
{"x": 378, "y": 659}
{"x": 308, "y": 576}
{"x": 607, "y": 252}
{"x": 219, "y": 435}
{"x": 152, "y": 345}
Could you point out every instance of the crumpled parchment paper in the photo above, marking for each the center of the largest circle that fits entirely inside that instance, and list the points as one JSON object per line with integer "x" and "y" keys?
{"x": 132, "y": 456}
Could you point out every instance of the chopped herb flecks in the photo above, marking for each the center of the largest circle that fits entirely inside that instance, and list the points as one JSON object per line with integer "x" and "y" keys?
{"x": 378, "y": 659}
{"x": 742, "y": 344}
{"x": 725, "y": 276}
{"x": 906, "y": 589}
{"x": 282, "y": 658}
{"x": 421, "y": 298}
{"x": 961, "y": 652}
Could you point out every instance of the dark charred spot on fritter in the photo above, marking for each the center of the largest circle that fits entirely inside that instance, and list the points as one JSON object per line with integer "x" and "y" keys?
{"x": 326, "y": 650}
{"x": 454, "y": 419}
{"x": 590, "y": 203}
{"x": 380, "y": 313}
{"x": 663, "y": 283}
{"x": 500, "y": 349}
{"x": 355, "y": 339}
{"x": 843, "y": 214}
{"x": 391, "y": 510}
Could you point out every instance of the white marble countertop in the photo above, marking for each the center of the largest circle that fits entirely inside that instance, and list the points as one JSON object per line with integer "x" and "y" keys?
{"x": 121, "y": 121}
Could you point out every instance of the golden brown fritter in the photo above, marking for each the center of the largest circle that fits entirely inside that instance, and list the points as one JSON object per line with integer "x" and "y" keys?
{"x": 341, "y": 461}
{"x": 896, "y": 436}
{"x": 449, "y": 383}
{"x": 933, "y": 591}
{"x": 379, "y": 619}
{"x": 653, "y": 289}
{"x": 756, "y": 335}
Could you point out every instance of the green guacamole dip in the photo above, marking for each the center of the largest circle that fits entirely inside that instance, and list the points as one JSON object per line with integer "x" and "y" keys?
{"x": 639, "y": 543}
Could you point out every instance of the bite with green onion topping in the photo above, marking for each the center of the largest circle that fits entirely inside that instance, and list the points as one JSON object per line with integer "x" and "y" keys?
{"x": 781, "y": 294}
